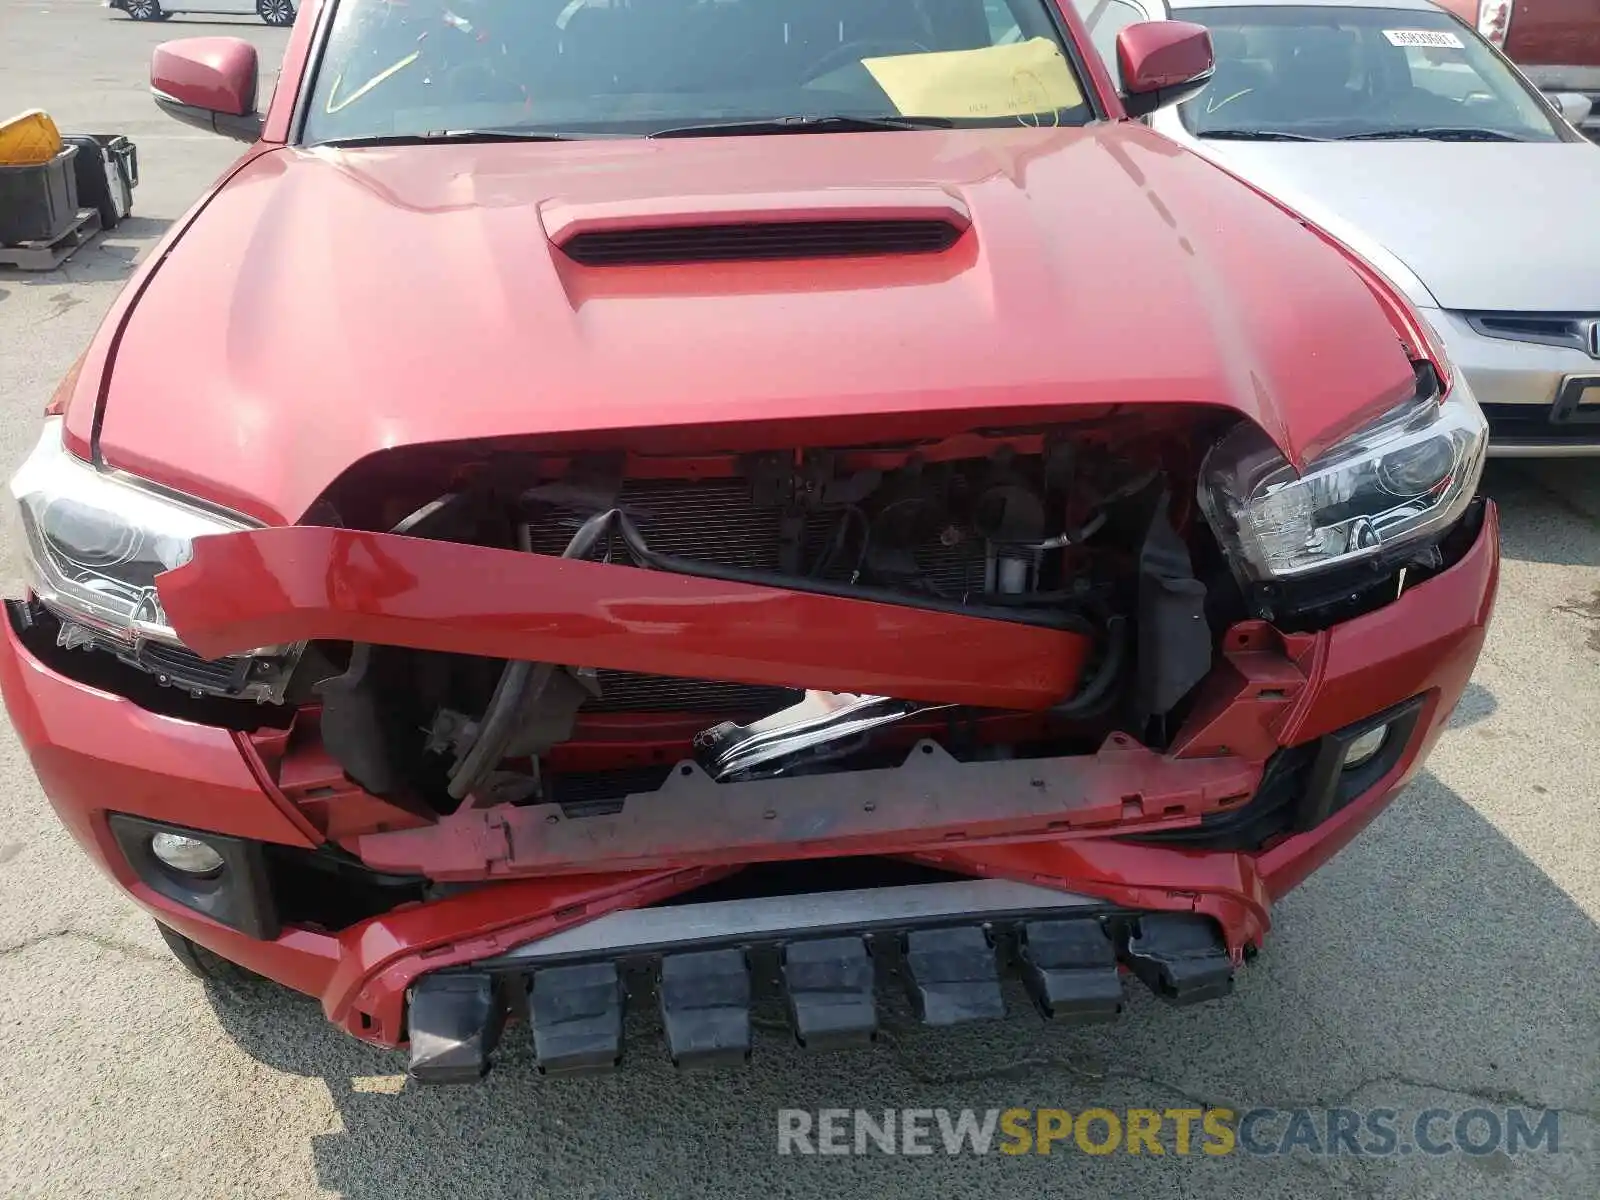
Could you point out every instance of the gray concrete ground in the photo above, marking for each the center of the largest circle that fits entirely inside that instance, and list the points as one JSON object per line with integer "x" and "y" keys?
{"x": 1448, "y": 959}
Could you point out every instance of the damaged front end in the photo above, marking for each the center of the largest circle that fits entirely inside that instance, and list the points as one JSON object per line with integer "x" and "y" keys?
{"x": 1016, "y": 594}
{"x": 1063, "y": 689}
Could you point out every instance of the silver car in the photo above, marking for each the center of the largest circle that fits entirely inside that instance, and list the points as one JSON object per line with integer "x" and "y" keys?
{"x": 273, "y": 12}
{"x": 1398, "y": 129}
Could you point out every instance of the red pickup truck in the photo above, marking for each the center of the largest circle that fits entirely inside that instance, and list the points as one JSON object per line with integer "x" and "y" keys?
{"x": 1555, "y": 42}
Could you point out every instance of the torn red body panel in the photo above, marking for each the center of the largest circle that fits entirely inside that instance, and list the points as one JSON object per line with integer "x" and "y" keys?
{"x": 272, "y": 586}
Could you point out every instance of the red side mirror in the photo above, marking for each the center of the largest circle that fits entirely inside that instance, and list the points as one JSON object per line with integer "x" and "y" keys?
{"x": 209, "y": 82}
{"x": 1162, "y": 63}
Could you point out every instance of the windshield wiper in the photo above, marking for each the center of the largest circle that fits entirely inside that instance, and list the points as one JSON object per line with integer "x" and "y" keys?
{"x": 803, "y": 124}
{"x": 428, "y": 137}
{"x": 1258, "y": 135}
{"x": 1434, "y": 133}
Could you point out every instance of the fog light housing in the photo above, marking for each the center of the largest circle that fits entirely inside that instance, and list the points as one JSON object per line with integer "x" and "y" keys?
{"x": 1364, "y": 748}
{"x": 187, "y": 855}
{"x": 218, "y": 875}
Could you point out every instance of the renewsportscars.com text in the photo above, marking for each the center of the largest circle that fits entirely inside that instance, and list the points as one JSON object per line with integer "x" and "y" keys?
{"x": 1372, "y": 1132}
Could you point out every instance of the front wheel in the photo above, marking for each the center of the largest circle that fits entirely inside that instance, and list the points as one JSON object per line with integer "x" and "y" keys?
{"x": 145, "y": 10}
{"x": 275, "y": 12}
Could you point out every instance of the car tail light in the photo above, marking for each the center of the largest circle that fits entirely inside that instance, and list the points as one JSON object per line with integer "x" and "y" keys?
{"x": 1494, "y": 20}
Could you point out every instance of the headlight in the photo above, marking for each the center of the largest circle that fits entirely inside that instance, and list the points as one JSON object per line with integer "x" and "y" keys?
{"x": 97, "y": 541}
{"x": 1405, "y": 477}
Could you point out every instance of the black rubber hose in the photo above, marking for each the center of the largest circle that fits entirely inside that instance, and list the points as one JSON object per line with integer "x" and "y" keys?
{"x": 1094, "y": 695}
{"x": 518, "y": 684}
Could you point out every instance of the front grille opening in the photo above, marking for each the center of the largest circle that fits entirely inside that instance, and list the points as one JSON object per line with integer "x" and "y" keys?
{"x": 768, "y": 241}
{"x": 716, "y": 521}
{"x": 1548, "y": 329}
{"x": 1530, "y": 424}
{"x": 625, "y": 692}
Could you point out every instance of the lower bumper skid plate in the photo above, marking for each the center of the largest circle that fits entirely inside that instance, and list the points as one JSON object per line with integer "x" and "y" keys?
{"x": 830, "y": 987}
{"x": 1068, "y": 951}
{"x": 705, "y": 1007}
{"x": 1177, "y": 956}
{"x": 575, "y": 1014}
{"x": 953, "y": 975}
{"x": 1070, "y": 970}
{"x": 454, "y": 1024}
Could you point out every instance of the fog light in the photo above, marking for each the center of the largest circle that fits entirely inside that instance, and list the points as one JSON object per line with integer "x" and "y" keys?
{"x": 1365, "y": 748}
{"x": 186, "y": 854}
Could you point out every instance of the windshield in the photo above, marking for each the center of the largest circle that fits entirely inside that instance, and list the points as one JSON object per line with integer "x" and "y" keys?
{"x": 634, "y": 67}
{"x": 1357, "y": 72}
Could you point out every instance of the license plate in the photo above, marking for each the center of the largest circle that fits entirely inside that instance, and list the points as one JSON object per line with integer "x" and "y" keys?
{"x": 1578, "y": 402}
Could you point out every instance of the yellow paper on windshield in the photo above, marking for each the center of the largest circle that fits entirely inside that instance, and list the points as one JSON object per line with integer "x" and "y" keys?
{"x": 1014, "y": 80}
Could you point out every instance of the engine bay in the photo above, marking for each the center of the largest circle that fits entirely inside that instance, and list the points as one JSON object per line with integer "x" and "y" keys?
{"x": 1041, "y": 528}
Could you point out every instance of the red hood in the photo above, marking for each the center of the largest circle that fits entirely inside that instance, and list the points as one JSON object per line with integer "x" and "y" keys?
{"x": 328, "y": 306}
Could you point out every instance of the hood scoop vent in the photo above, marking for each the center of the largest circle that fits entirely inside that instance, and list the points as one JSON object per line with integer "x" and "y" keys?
{"x": 766, "y": 228}
{"x": 764, "y": 242}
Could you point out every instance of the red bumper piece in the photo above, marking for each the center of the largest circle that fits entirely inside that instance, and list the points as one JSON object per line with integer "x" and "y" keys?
{"x": 272, "y": 586}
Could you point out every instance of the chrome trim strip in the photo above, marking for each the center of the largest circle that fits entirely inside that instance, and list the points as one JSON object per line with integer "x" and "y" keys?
{"x": 1523, "y": 449}
{"x": 640, "y": 930}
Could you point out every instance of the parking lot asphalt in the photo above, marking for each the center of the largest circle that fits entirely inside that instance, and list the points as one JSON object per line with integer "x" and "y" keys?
{"x": 1450, "y": 958}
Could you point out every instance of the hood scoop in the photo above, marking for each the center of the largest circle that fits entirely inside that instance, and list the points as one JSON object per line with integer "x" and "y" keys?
{"x": 847, "y": 223}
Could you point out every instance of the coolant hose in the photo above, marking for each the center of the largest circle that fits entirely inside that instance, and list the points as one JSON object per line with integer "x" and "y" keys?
{"x": 519, "y": 683}
{"x": 1092, "y": 697}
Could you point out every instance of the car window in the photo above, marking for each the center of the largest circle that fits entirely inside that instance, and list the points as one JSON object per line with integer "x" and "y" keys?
{"x": 1444, "y": 73}
{"x": 1328, "y": 72}
{"x": 1104, "y": 19}
{"x": 1003, "y": 27}
{"x": 628, "y": 67}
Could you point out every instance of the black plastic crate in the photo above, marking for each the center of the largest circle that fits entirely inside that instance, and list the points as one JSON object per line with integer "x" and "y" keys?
{"x": 38, "y": 203}
{"x": 107, "y": 171}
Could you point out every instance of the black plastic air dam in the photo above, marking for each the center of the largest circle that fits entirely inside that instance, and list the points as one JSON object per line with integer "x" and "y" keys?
{"x": 833, "y": 962}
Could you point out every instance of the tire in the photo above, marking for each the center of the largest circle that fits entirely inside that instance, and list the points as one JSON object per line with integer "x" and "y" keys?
{"x": 145, "y": 10}
{"x": 202, "y": 963}
{"x": 276, "y": 12}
